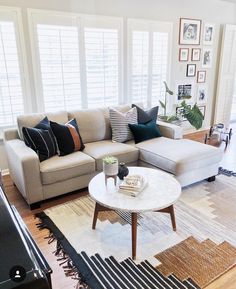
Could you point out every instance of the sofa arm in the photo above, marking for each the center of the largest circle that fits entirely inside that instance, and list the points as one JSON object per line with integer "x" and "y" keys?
{"x": 170, "y": 130}
{"x": 10, "y": 134}
{"x": 24, "y": 170}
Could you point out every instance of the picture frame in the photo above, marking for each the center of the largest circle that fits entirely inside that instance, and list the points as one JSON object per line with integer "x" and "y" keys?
{"x": 202, "y": 108}
{"x": 183, "y": 54}
{"x": 201, "y": 76}
{"x": 179, "y": 111}
{"x": 202, "y": 93}
{"x": 189, "y": 31}
{"x": 185, "y": 90}
{"x": 208, "y": 34}
{"x": 196, "y": 54}
{"x": 191, "y": 70}
{"x": 207, "y": 55}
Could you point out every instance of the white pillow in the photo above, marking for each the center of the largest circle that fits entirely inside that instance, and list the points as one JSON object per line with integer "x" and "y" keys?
{"x": 119, "y": 124}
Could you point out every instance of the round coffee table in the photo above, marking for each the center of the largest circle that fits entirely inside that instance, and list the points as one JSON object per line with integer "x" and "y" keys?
{"x": 162, "y": 191}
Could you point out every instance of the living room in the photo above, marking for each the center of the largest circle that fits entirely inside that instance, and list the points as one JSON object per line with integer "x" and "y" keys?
{"x": 117, "y": 157}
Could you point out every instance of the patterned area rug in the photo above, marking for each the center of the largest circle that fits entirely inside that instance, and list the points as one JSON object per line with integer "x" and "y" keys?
{"x": 205, "y": 236}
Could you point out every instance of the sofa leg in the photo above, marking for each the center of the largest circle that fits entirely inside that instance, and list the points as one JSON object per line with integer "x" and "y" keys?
{"x": 35, "y": 206}
{"x": 211, "y": 179}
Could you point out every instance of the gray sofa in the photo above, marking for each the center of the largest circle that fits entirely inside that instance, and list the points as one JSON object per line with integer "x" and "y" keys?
{"x": 187, "y": 160}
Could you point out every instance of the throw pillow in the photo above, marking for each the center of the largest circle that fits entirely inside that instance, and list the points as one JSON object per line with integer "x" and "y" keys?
{"x": 41, "y": 139}
{"x": 145, "y": 131}
{"x": 119, "y": 124}
{"x": 148, "y": 115}
{"x": 68, "y": 137}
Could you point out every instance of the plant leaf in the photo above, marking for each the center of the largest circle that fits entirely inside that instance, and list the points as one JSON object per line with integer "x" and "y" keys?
{"x": 194, "y": 116}
{"x": 167, "y": 89}
{"x": 162, "y": 104}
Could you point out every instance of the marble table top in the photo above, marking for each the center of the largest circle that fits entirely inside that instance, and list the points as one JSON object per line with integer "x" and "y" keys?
{"x": 162, "y": 191}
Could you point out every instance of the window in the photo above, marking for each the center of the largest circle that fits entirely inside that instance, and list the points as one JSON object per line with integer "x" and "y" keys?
{"x": 149, "y": 45}
{"x": 11, "y": 72}
{"x": 77, "y": 60}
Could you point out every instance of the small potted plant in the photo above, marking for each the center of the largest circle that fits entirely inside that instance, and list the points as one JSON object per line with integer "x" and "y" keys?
{"x": 110, "y": 166}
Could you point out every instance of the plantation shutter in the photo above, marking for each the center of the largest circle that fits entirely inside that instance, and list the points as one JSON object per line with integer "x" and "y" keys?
{"x": 11, "y": 90}
{"x": 149, "y": 45}
{"x": 102, "y": 39}
{"x": 227, "y": 76}
{"x": 60, "y": 66}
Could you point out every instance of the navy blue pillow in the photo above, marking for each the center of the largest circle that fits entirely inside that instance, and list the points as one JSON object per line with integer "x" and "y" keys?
{"x": 148, "y": 115}
{"x": 41, "y": 139}
{"x": 145, "y": 131}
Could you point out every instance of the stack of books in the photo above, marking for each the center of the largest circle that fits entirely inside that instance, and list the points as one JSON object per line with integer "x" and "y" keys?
{"x": 132, "y": 185}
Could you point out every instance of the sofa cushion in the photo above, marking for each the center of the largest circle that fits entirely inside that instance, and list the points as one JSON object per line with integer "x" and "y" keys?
{"x": 178, "y": 156}
{"x": 58, "y": 169}
{"x": 67, "y": 136}
{"x": 31, "y": 120}
{"x": 119, "y": 124}
{"x": 98, "y": 150}
{"x": 148, "y": 115}
{"x": 145, "y": 131}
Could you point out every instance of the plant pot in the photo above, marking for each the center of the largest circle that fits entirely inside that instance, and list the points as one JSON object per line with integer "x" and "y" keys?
{"x": 110, "y": 169}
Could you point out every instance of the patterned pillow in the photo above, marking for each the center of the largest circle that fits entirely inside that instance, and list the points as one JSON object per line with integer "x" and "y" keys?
{"x": 68, "y": 137}
{"x": 148, "y": 115}
{"x": 41, "y": 139}
{"x": 119, "y": 124}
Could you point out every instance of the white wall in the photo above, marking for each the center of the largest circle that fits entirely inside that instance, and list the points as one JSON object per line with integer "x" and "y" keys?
{"x": 212, "y": 11}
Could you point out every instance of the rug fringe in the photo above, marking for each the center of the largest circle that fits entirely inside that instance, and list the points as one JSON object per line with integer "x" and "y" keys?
{"x": 67, "y": 265}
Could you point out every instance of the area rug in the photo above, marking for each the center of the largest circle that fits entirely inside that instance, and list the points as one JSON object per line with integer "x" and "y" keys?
{"x": 205, "y": 237}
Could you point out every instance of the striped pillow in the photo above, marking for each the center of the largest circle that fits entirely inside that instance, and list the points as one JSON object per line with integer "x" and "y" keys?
{"x": 119, "y": 124}
{"x": 68, "y": 137}
{"x": 41, "y": 141}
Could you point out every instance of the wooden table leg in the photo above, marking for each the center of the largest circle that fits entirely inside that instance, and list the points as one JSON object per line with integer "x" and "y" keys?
{"x": 134, "y": 234}
{"x": 170, "y": 210}
{"x": 95, "y": 216}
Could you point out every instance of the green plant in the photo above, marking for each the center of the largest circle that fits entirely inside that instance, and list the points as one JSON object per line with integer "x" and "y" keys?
{"x": 110, "y": 160}
{"x": 193, "y": 115}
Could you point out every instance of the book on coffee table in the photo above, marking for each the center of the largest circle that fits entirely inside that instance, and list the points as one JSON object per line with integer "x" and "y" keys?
{"x": 133, "y": 185}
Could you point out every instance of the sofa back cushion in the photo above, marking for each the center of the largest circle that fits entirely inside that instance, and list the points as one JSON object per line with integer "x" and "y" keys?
{"x": 31, "y": 120}
{"x": 94, "y": 124}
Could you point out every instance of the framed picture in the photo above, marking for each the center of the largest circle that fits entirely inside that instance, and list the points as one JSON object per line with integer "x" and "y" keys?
{"x": 196, "y": 54}
{"x": 191, "y": 70}
{"x": 201, "y": 76}
{"x": 189, "y": 31}
{"x": 183, "y": 54}
{"x": 208, "y": 34}
{"x": 184, "y": 91}
{"x": 202, "y": 108}
{"x": 180, "y": 111}
{"x": 201, "y": 94}
{"x": 206, "y": 57}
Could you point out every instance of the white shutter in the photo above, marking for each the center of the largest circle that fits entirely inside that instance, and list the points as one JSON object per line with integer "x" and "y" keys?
{"x": 11, "y": 95}
{"x": 227, "y": 76}
{"x": 149, "y": 60}
{"x": 102, "y": 66}
{"x": 60, "y": 68}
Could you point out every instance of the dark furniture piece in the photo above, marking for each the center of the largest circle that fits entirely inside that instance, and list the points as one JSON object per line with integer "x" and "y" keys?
{"x": 218, "y": 134}
{"x": 20, "y": 256}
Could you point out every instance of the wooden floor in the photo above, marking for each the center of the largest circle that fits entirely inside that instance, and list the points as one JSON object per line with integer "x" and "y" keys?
{"x": 228, "y": 281}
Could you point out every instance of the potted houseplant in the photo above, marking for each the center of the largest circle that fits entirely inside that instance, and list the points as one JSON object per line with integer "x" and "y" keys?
{"x": 193, "y": 114}
{"x": 110, "y": 166}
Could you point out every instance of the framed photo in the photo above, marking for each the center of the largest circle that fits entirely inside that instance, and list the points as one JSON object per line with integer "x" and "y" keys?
{"x": 208, "y": 34}
{"x": 201, "y": 76}
{"x": 202, "y": 108}
{"x": 201, "y": 94}
{"x": 196, "y": 54}
{"x": 207, "y": 57}
{"x": 183, "y": 54}
{"x": 180, "y": 110}
{"x": 191, "y": 70}
{"x": 184, "y": 91}
{"x": 189, "y": 31}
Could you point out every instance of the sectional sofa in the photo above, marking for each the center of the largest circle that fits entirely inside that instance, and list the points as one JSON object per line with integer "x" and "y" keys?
{"x": 187, "y": 160}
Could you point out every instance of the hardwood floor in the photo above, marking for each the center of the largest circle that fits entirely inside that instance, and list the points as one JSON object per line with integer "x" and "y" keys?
{"x": 59, "y": 281}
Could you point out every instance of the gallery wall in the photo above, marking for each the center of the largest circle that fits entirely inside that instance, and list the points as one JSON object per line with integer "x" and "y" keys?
{"x": 209, "y": 11}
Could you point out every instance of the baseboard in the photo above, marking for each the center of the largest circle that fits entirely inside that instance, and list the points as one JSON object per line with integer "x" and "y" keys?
{"x": 5, "y": 172}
